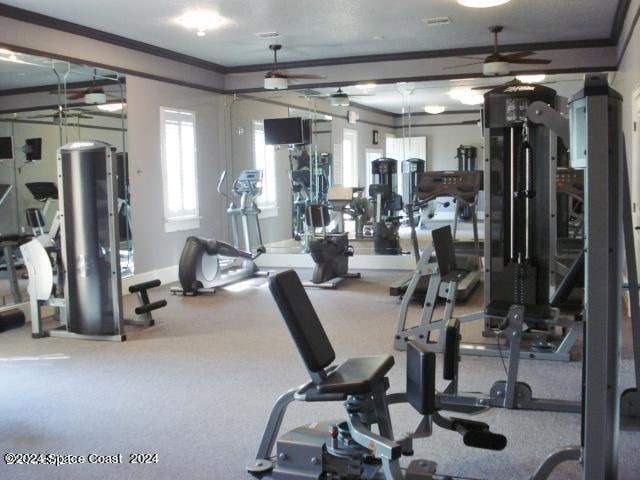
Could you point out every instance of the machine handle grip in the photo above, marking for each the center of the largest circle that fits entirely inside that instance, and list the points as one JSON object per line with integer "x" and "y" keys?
{"x": 477, "y": 434}
{"x": 150, "y": 307}
{"x": 485, "y": 440}
{"x": 144, "y": 286}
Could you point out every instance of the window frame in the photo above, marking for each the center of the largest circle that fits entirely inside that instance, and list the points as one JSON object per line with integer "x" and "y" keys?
{"x": 184, "y": 221}
{"x": 268, "y": 207}
{"x": 352, "y": 136}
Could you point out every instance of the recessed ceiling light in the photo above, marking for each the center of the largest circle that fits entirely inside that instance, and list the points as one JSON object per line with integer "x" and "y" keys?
{"x": 378, "y": 37}
{"x": 531, "y": 78}
{"x": 482, "y": 3}
{"x": 466, "y": 96}
{"x": 434, "y": 109}
{"x": 201, "y": 20}
{"x": 111, "y": 107}
{"x": 472, "y": 99}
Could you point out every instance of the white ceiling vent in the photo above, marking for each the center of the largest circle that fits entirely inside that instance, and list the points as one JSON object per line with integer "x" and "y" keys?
{"x": 267, "y": 34}
{"x": 435, "y": 21}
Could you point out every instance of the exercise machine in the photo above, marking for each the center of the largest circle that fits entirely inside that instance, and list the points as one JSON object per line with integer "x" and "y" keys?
{"x": 596, "y": 139}
{"x": 410, "y": 170}
{"x": 47, "y": 194}
{"x": 464, "y": 187}
{"x": 386, "y": 237}
{"x": 330, "y": 252}
{"x": 86, "y": 288}
{"x": 300, "y": 184}
{"x": 207, "y": 264}
{"x": 467, "y": 156}
{"x": 349, "y": 448}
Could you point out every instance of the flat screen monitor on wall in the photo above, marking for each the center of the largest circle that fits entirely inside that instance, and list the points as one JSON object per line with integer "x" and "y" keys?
{"x": 287, "y": 131}
{"x": 6, "y": 148}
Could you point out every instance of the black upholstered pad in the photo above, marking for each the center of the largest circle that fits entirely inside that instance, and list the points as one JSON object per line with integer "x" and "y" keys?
{"x": 444, "y": 248}
{"x": 357, "y": 375}
{"x": 301, "y": 319}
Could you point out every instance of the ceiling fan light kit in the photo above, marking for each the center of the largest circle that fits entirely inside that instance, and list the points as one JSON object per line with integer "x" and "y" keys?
{"x": 434, "y": 109}
{"x": 340, "y": 101}
{"x": 275, "y": 83}
{"x": 95, "y": 98}
{"x": 495, "y": 69}
{"x": 531, "y": 78}
{"x": 111, "y": 107}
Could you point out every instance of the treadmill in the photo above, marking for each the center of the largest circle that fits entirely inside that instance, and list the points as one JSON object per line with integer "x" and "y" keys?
{"x": 464, "y": 187}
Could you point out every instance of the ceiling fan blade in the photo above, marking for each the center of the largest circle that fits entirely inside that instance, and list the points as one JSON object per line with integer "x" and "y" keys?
{"x": 306, "y": 76}
{"x": 470, "y": 58}
{"x": 531, "y": 61}
{"x": 361, "y": 94}
{"x": 516, "y": 55}
{"x": 75, "y": 96}
{"x": 464, "y": 65}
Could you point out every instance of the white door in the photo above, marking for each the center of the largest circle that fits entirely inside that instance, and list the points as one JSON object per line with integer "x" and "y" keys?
{"x": 349, "y": 158}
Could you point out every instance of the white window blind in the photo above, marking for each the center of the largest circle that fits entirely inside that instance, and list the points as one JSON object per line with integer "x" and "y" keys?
{"x": 265, "y": 160}
{"x": 179, "y": 169}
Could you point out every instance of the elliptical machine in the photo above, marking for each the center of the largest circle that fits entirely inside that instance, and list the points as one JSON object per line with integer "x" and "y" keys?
{"x": 207, "y": 264}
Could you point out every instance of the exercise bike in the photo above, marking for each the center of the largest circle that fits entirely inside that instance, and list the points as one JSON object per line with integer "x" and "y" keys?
{"x": 207, "y": 264}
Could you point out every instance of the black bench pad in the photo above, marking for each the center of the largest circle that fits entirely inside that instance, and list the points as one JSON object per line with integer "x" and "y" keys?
{"x": 357, "y": 375}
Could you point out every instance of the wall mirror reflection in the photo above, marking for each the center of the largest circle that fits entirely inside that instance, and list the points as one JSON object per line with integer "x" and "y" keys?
{"x": 368, "y": 148}
{"x": 46, "y": 103}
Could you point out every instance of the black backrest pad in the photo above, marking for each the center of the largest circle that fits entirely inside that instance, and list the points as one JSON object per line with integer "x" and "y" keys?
{"x": 421, "y": 378}
{"x": 301, "y": 319}
{"x": 444, "y": 248}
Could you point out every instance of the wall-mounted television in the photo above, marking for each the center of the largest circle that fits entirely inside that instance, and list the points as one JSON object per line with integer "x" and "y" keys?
{"x": 6, "y": 148}
{"x": 287, "y": 131}
{"x": 34, "y": 149}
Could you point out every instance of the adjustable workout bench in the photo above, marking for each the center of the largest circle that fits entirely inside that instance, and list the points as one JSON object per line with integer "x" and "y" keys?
{"x": 348, "y": 448}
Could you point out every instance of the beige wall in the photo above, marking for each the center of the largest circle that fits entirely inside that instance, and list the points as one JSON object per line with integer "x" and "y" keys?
{"x": 154, "y": 248}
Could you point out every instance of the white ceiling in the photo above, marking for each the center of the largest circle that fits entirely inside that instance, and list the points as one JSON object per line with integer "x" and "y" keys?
{"x": 389, "y": 98}
{"x": 333, "y": 28}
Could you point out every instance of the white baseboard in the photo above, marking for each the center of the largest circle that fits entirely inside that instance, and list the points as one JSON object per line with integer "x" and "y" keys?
{"x": 165, "y": 275}
{"x": 364, "y": 262}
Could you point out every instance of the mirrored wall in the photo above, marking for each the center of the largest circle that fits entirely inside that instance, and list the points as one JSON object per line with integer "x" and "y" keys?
{"x": 46, "y": 103}
{"x": 435, "y": 126}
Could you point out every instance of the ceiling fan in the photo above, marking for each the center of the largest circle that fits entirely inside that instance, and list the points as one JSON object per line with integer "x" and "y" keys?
{"x": 93, "y": 94}
{"x": 279, "y": 79}
{"x": 512, "y": 83}
{"x": 498, "y": 63}
{"x": 62, "y": 114}
{"x": 338, "y": 98}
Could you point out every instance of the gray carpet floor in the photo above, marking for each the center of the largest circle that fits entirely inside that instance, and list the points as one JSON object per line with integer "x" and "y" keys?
{"x": 197, "y": 388}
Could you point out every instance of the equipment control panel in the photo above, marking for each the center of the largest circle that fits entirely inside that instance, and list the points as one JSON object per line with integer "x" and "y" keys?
{"x": 249, "y": 181}
{"x": 461, "y": 185}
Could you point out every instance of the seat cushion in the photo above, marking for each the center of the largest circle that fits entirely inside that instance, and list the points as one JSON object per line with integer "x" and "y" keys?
{"x": 357, "y": 375}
